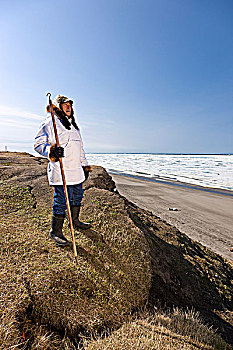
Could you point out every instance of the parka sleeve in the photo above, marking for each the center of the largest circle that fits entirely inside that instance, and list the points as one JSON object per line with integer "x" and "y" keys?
{"x": 82, "y": 155}
{"x": 42, "y": 142}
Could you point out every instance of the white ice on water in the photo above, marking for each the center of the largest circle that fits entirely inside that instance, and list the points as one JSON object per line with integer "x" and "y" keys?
{"x": 204, "y": 170}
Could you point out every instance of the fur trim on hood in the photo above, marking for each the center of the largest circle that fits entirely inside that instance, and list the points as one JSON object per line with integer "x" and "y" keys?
{"x": 63, "y": 118}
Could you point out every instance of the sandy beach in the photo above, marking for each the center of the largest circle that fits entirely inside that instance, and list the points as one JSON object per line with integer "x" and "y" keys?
{"x": 205, "y": 216}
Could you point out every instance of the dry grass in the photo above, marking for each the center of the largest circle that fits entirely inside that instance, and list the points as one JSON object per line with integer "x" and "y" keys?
{"x": 161, "y": 331}
{"x": 112, "y": 276}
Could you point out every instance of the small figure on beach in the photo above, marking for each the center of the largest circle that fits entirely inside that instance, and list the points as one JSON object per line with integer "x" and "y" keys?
{"x": 75, "y": 164}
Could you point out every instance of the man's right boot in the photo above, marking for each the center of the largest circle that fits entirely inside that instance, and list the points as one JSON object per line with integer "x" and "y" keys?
{"x": 75, "y": 211}
{"x": 56, "y": 230}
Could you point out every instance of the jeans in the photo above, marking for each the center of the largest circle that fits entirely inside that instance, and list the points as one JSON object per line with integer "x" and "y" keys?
{"x": 75, "y": 194}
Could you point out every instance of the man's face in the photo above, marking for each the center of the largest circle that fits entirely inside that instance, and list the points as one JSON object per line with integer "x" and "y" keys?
{"x": 66, "y": 107}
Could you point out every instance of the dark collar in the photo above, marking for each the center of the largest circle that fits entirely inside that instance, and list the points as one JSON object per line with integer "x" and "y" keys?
{"x": 64, "y": 120}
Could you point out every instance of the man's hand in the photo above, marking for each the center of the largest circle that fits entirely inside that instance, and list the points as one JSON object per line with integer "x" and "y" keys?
{"x": 87, "y": 169}
{"x": 55, "y": 153}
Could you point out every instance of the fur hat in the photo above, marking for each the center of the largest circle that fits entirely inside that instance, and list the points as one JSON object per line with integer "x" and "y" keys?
{"x": 59, "y": 99}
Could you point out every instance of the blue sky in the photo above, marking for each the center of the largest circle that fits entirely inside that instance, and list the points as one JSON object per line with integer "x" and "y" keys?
{"x": 146, "y": 75}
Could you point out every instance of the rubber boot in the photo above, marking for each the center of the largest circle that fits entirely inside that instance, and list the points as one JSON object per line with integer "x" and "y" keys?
{"x": 56, "y": 230}
{"x": 75, "y": 210}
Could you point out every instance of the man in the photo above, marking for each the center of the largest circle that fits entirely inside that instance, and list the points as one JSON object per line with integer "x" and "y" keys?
{"x": 74, "y": 162}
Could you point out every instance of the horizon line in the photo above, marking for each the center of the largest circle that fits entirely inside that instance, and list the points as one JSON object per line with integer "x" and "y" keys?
{"x": 153, "y": 153}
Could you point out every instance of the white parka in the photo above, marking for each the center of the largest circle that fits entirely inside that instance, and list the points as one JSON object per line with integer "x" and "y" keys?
{"x": 74, "y": 155}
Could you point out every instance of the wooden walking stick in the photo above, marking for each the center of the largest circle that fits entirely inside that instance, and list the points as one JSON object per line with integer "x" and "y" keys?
{"x": 63, "y": 178}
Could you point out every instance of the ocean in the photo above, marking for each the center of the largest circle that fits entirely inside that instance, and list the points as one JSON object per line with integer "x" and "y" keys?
{"x": 203, "y": 170}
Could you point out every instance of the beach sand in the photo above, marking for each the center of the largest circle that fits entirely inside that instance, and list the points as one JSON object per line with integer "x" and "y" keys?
{"x": 205, "y": 217}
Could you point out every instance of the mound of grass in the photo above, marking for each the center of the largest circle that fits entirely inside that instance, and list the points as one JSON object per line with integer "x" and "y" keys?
{"x": 161, "y": 331}
{"x": 113, "y": 274}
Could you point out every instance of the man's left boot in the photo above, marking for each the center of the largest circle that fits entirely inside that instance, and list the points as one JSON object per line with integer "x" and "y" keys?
{"x": 75, "y": 211}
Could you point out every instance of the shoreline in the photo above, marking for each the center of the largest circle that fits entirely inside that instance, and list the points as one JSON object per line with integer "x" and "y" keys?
{"x": 203, "y": 214}
{"x": 167, "y": 181}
